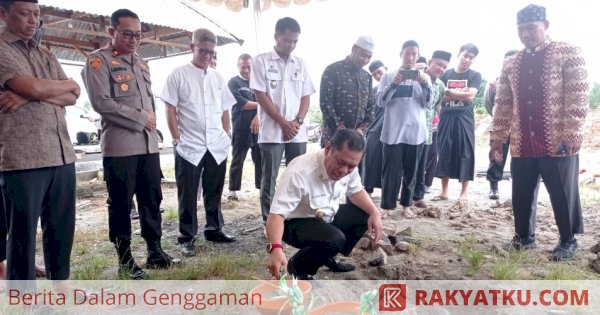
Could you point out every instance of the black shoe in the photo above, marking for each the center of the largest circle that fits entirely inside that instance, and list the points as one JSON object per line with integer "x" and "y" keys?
{"x": 218, "y": 236}
{"x": 127, "y": 263}
{"x": 188, "y": 248}
{"x": 133, "y": 271}
{"x": 565, "y": 250}
{"x": 518, "y": 243}
{"x": 294, "y": 272}
{"x": 494, "y": 195}
{"x": 157, "y": 258}
{"x": 335, "y": 266}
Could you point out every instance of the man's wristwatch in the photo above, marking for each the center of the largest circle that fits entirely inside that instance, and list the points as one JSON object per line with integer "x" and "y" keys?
{"x": 175, "y": 142}
{"x": 272, "y": 246}
{"x": 300, "y": 120}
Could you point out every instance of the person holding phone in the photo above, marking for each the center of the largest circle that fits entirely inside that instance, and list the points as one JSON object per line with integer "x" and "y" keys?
{"x": 405, "y": 94}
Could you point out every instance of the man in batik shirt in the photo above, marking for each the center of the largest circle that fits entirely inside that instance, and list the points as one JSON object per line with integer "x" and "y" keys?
{"x": 346, "y": 96}
{"x": 545, "y": 121}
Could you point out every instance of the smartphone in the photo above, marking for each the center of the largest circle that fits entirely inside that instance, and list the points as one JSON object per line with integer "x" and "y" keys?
{"x": 409, "y": 74}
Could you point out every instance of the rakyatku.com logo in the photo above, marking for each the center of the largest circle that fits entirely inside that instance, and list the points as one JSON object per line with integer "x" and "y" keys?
{"x": 392, "y": 297}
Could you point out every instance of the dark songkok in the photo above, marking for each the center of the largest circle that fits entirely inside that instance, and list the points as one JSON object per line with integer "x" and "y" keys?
{"x": 376, "y": 64}
{"x": 410, "y": 43}
{"x": 440, "y": 54}
{"x": 531, "y": 13}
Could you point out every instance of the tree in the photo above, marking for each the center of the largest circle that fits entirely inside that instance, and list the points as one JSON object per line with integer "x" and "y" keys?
{"x": 595, "y": 96}
{"x": 478, "y": 101}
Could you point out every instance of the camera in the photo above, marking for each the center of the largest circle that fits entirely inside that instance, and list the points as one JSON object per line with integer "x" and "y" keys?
{"x": 409, "y": 74}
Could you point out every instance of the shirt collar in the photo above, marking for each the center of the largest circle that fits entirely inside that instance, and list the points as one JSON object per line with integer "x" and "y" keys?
{"x": 540, "y": 47}
{"x": 11, "y": 37}
{"x": 275, "y": 56}
{"x": 349, "y": 64}
{"x": 116, "y": 54}
{"x": 321, "y": 171}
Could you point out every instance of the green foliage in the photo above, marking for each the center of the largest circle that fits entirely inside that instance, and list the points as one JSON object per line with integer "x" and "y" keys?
{"x": 595, "y": 96}
{"x": 315, "y": 115}
{"x": 478, "y": 101}
{"x": 87, "y": 105}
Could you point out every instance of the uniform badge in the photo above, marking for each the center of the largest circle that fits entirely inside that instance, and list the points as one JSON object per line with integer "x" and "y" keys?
{"x": 143, "y": 66}
{"x": 95, "y": 63}
{"x": 119, "y": 78}
{"x": 115, "y": 62}
{"x": 124, "y": 87}
{"x": 273, "y": 84}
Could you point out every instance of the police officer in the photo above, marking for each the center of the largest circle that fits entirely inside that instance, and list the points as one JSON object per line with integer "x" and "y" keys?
{"x": 119, "y": 86}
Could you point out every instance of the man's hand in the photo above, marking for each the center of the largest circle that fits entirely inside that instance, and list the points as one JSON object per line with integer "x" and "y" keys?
{"x": 10, "y": 101}
{"x": 360, "y": 131}
{"x": 77, "y": 90}
{"x": 399, "y": 78}
{"x": 290, "y": 129}
{"x": 277, "y": 262}
{"x": 151, "y": 122}
{"x": 496, "y": 151}
{"x": 375, "y": 227}
{"x": 422, "y": 77}
{"x": 572, "y": 148}
{"x": 254, "y": 125}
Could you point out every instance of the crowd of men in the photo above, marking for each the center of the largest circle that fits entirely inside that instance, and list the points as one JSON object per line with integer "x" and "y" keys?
{"x": 416, "y": 124}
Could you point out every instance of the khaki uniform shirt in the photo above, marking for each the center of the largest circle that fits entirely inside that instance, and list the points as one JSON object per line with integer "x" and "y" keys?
{"x": 119, "y": 88}
{"x": 34, "y": 135}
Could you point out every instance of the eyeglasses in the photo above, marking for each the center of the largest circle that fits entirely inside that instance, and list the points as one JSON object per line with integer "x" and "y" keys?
{"x": 128, "y": 35}
{"x": 206, "y": 52}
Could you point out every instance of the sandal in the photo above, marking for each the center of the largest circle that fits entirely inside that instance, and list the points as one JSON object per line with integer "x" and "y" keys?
{"x": 439, "y": 198}
{"x": 408, "y": 214}
{"x": 384, "y": 214}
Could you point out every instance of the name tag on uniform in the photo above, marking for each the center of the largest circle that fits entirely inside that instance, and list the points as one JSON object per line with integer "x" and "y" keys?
{"x": 273, "y": 70}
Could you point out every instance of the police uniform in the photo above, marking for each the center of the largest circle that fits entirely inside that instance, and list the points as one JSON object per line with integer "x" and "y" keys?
{"x": 119, "y": 88}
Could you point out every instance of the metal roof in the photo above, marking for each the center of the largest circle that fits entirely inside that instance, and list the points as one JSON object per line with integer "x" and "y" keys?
{"x": 72, "y": 35}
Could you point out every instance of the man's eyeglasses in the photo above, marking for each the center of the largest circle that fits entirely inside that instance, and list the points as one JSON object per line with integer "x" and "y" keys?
{"x": 206, "y": 52}
{"x": 128, "y": 35}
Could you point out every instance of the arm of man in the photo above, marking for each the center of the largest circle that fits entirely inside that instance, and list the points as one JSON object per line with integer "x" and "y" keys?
{"x": 43, "y": 89}
{"x": 488, "y": 97}
{"x": 369, "y": 110}
{"x": 9, "y": 101}
{"x": 304, "y": 105}
{"x": 246, "y": 104}
{"x": 67, "y": 99}
{"x": 425, "y": 90}
{"x": 288, "y": 194}
{"x": 226, "y": 122}
{"x": 97, "y": 83}
{"x": 172, "y": 121}
{"x": 289, "y": 128}
{"x": 277, "y": 260}
{"x": 502, "y": 114}
{"x": 459, "y": 95}
{"x": 362, "y": 200}
{"x": 576, "y": 98}
{"x": 326, "y": 96}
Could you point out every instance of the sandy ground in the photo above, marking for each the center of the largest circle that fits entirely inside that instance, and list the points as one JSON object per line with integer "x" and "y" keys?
{"x": 441, "y": 232}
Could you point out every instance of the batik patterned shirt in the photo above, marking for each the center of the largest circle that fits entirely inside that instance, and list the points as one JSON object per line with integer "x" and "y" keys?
{"x": 542, "y": 101}
{"x": 346, "y": 98}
